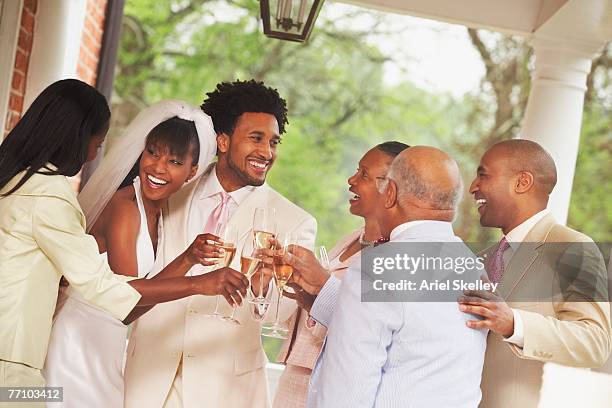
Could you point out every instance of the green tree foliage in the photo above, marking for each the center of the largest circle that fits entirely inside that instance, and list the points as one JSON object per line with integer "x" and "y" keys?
{"x": 340, "y": 105}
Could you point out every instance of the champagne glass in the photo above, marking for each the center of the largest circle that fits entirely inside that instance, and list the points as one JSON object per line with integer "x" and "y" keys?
{"x": 248, "y": 265}
{"x": 259, "y": 310}
{"x": 282, "y": 274}
{"x": 264, "y": 228}
{"x": 323, "y": 257}
{"x": 228, "y": 236}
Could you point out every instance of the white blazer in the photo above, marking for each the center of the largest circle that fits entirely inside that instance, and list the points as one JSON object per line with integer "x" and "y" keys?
{"x": 223, "y": 364}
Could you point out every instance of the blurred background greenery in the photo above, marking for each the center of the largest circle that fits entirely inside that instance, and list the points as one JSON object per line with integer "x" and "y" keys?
{"x": 340, "y": 103}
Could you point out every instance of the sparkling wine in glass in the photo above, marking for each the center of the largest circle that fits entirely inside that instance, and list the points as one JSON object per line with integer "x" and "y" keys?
{"x": 264, "y": 230}
{"x": 228, "y": 255}
{"x": 228, "y": 236}
{"x": 263, "y": 239}
{"x": 248, "y": 259}
{"x": 248, "y": 266}
{"x": 264, "y": 226}
{"x": 282, "y": 274}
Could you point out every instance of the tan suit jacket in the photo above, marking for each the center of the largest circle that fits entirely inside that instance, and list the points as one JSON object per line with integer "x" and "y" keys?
{"x": 573, "y": 331}
{"x": 223, "y": 364}
{"x": 607, "y": 367}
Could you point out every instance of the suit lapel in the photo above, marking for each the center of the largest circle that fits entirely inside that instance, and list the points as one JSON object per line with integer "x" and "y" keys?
{"x": 525, "y": 256}
{"x": 176, "y": 219}
{"x": 344, "y": 243}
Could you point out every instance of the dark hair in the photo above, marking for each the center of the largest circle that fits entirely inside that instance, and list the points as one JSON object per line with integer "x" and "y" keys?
{"x": 178, "y": 135}
{"x": 230, "y": 100}
{"x": 392, "y": 148}
{"x": 528, "y": 155}
{"x": 56, "y": 129}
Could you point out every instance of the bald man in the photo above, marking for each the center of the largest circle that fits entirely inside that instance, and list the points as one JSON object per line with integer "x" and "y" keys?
{"x": 398, "y": 353}
{"x": 550, "y": 302}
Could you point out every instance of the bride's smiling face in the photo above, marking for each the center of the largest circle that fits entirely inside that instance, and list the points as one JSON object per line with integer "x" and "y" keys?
{"x": 163, "y": 173}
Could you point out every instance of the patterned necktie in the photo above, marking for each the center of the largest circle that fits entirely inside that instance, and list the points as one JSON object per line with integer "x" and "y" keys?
{"x": 219, "y": 215}
{"x": 496, "y": 266}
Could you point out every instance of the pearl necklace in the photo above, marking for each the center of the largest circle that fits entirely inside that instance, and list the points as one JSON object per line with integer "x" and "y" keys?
{"x": 367, "y": 243}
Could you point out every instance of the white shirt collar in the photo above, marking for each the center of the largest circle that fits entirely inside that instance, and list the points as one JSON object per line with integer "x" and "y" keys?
{"x": 400, "y": 229}
{"x": 519, "y": 233}
{"x": 212, "y": 186}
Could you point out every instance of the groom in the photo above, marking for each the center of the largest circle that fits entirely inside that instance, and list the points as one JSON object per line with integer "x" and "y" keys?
{"x": 178, "y": 357}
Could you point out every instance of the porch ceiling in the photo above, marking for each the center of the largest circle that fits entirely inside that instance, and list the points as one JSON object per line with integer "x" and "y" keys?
{"x": 578, "y": 20}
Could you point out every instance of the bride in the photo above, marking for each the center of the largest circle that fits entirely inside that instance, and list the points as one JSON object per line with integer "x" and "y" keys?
{"x": 169, "y": 142}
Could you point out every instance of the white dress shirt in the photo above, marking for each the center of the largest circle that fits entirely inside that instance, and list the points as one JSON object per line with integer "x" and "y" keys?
{"x": 206, "y": 198}
{"x": 392, "y": 354}
{"x": 323, "y": 307}
{"x": 514, "y": 238}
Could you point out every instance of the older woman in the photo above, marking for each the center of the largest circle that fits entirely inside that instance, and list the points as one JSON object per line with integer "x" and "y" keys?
{"x": 301, "y": 350}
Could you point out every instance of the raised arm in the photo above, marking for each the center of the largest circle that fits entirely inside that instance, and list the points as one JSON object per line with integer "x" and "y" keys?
{"x": 59, "y": 232}
{"x": 306, "y": 234}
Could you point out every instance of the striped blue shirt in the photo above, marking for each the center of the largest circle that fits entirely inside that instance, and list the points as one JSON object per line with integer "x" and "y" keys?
{"x": 411, "y": 354}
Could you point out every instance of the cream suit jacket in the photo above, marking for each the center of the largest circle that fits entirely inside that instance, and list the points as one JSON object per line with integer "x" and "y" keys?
{"x": 573, "y": 331}
{"x": 42, "y": 237}
{"x": 223, "y": 364}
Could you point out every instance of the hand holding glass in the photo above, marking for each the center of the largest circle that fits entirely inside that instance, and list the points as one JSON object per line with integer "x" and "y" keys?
{"x": 282, "y": 274}
{"x": 228, "y": 236}
{"x": 264, "y": 228}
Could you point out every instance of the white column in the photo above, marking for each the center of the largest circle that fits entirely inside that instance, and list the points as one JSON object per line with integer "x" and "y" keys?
{"x": 56, "y": 45}
{"x": 553, "y": 116}
{"x": 10, "y": 17}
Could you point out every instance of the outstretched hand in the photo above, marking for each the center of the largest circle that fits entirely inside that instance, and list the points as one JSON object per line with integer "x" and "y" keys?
{"x": 307, "y": 271}
{"x": 231, "y": 284}
{"x": 205, "y": 250}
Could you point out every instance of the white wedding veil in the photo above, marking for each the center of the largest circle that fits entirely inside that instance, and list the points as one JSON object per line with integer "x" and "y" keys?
{"x": 120, "y": 159}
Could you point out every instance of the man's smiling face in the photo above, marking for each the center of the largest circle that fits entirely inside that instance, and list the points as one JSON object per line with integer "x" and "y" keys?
{"x": 250, "y": 151}
{"x": 493, "y": 189}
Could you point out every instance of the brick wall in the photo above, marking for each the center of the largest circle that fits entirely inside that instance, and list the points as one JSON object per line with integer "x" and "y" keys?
{"x": 22, "y": 61}
{"x": 91, "y": 41}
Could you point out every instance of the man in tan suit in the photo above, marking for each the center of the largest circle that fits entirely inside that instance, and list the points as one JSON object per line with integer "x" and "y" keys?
{"x": 177, "y": 356}
{"x": 550, "y": 305}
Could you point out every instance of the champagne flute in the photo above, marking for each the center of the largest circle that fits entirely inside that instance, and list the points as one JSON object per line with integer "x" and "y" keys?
{"x": 248, "y": 258}
{"x": 264, "y": 228}
{"x": 248, "y": 266}
{"x": 282, "y": 274}
{"x": 323, "y": 257}
{"x": 259, "y": 310}
{"x": 228, "y": 236}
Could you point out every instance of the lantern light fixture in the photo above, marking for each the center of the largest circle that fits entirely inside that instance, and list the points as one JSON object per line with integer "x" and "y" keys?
{"x": 290, "y": 20}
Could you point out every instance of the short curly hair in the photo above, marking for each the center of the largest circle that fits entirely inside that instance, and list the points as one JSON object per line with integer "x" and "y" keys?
{"x": 231, "y": 99}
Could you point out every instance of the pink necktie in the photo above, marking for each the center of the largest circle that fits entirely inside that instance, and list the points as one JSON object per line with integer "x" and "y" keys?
{"x": 219, "y": 215}
{"x": 496, "y": 266}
